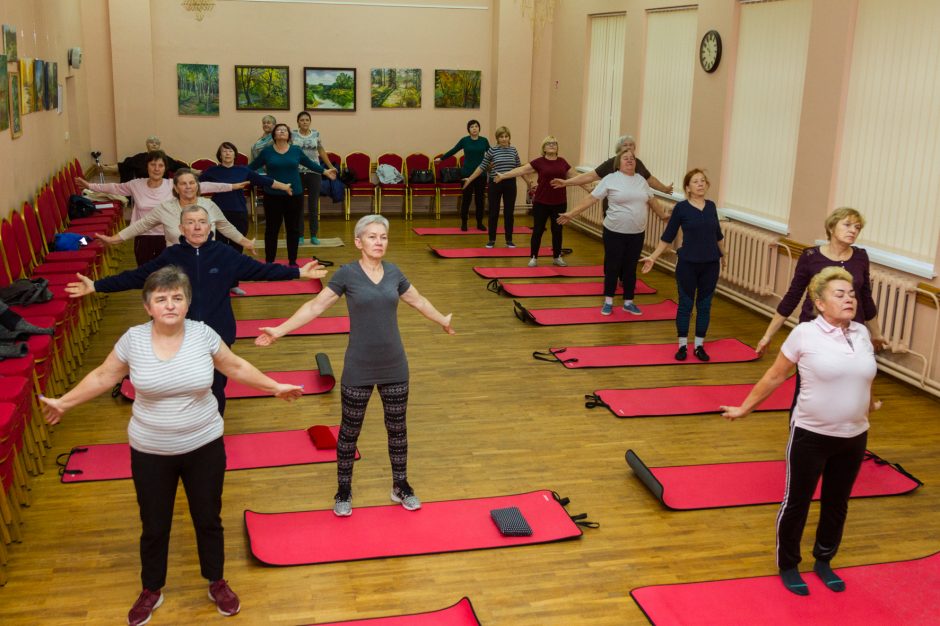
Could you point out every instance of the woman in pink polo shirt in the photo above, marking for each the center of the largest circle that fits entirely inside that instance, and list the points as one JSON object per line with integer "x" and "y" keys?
{"x": 828, "y": 424}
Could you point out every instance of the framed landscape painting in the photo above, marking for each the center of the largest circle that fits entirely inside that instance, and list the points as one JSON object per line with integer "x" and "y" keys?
{"x": 27, "y": 92}
{"x": 39, "y": 85}
{"x": 329, "y": 88}
{"x": 262, "y": 88}
{"x": 4, "y": 94}
{"x": 9, "y": 43}
{"x": 395, "y": 88}
{"x": 16, "y": 120}
{"x": 457, "y": 89}
{"x": 197, "y": 89}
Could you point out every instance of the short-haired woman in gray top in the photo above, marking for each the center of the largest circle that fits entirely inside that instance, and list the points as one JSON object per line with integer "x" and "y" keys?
{"x": 375, "y": 356}
{"x": 175, "y": 431}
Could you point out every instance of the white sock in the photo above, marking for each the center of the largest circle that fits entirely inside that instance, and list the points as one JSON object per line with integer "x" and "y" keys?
{"x": 608, "y": 300}
{"x": 683, "y": 342}
{"x": 626, "y": 302}
{"x": 699, "y": 342}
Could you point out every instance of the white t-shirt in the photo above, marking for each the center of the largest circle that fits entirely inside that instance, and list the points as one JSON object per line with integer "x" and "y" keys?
{"x": 835, "y": 377}
{"x": 174, "y": 409}
{"x": 628, "y": 197}
{"x": 310, "y": 144}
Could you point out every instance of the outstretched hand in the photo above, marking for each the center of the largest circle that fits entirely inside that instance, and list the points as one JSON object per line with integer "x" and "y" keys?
{"x": 330, "y": 173}
{"x": 242, "y": 185}
{"x": 288, "y": 393}
{"x": 249, "y": 245}
{"x": 445, "y": 324}
{"x": 762, "y": 346}
{"x": 267, "y": 337}
{"x": 313, "y": 270}
{"x": 82, "y": 288}
{"x": 52, "y": 410}
{"x": 81, "y": 183}
{"x": 647, "y": 264}
{"x": 733, "y": 412}
{"x": 558, "y": 183}
{"x": 108, "y": 239}
{"x": 564, "y": 218}
{"x": 466, "y": 181}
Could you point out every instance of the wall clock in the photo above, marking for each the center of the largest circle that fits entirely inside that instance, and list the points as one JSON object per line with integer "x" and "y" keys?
{"x": 709, "y": 51}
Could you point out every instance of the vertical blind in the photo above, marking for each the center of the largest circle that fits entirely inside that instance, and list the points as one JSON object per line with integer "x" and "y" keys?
{"x": 889, "y": 159}
{"x": 605, "y": 84}
{"x": 765, "y": 116}
{"x": 671, "y": 52}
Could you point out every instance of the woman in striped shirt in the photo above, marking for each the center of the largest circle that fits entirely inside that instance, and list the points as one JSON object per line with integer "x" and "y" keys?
{"x": 500, "y": 159}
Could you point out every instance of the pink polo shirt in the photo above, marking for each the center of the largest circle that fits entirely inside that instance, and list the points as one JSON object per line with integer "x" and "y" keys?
{"x": 835, "y": 377}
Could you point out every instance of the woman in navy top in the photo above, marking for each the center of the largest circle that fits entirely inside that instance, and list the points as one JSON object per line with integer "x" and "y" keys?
{"x": 282, "y": 161}
{"x": 701, "y": 258}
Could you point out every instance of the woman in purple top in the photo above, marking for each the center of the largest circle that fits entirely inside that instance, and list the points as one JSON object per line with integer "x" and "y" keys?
{"x": 375, "y": 356}
{"x": 842, "y": 229}
{"x": 549, "y": 202}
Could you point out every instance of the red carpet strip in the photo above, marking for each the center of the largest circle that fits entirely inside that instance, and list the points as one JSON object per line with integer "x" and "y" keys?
{"x": 718, "y": 485}
{"x": 720, "y": 351}
{"x": 248, "y": 329}
{"x": 460, "y": 614}
{"x": 535, "y": 290}
{"x": 660, "y": 311}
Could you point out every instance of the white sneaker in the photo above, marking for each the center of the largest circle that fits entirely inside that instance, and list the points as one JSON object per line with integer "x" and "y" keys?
{"x": 533, "y": 261}
{"x": 560, "y": 262}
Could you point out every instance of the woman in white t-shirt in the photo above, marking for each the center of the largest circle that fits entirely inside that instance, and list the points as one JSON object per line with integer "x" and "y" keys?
{"x": 828, "y": 425}
{"x": 629, "y": 197}
{"x": 175, "y": 430}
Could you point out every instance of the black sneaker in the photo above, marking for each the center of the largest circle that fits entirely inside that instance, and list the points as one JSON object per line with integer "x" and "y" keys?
{"x": 700, "y": 354}
{"x": 682, "y": 353}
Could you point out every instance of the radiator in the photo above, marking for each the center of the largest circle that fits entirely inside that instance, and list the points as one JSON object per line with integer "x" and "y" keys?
{"x": 752, "y": 258}
{"x": 895, "y": 296}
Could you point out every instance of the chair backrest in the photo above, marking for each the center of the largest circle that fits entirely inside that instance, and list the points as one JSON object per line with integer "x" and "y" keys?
{"x": 359, "y": 163}
{"x": 448, "y": 162}
{"x": 417, "y": 161}
{"x": 59, "y": 192}
{"x": 11, "y": 257}
{"x": 49, "y": 221}
{"x": 390, "y": 158}
{"x": 203, "y": 164}
{"x": 335, "y": 159}
{"x": 34, "y": 230}
{"x": 241, "y": 159}
{"x": 21, "y": 241}
{"x": 77, "y": 171}
{"x": 45, "y": 203}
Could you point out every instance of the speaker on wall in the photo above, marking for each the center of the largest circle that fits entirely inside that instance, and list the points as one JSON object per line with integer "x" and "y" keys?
{"x": 75, "y": 57}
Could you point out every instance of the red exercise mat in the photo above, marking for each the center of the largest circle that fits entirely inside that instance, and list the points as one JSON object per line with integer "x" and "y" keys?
{"x": 548, "y": 290}
{"x": 453, "y": 230}
{"x": 304, "y": 261}
{"x": 661, "y": 311}
{"x": 469, "y": 253}
{"x": 687, "y": 400}
{"x": 898, "y": 592}
{"x": 545, "y": 271}
{"x": 720, "y": 351}
{"x": 280, "y": 288}
{"x": 112, "y": 461}
{"x": 374, "y": 532}
{"x": 248, "y": 329}
{"x": 320, "y": 380}
{"x": 718, "y": 485}
{"x": 460, "y": 614}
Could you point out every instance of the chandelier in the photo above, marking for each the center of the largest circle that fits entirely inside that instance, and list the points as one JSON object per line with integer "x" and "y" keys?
{"x": 198, "y": 7}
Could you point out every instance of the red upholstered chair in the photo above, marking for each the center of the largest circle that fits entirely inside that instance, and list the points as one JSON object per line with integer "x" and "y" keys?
{"x": 241, "y": 159}
{"x": 335, "y": 160}
{"x": 445, "y": 189}
{"x": 12, "y": 493}
{"x": 414, "y": 162}
{"x": 360, "y": 164}
{"x": 203, "y": 164}
{"x": 18, "y": 390}
{"x": 111, "y": 211}
{"x": 393, "y": 189}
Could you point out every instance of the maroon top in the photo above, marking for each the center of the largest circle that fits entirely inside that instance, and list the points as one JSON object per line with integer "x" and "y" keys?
{"x": 811, "y": 262}
{"x": 547, "y": 170}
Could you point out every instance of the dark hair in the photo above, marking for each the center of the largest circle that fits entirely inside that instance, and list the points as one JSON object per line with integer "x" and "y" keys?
{"x": 166, "y": 279}
{"x": 471, "y": 123}
{"x": 156, "y": 155}
{"x": 307, "y": 113}
{"x": 278, "y": 125}
{"x": 183, "y": 171}
{"x": 225, "y": 144}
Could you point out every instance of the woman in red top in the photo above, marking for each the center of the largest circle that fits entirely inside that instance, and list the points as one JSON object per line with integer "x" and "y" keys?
{"x": 548, "y": 203}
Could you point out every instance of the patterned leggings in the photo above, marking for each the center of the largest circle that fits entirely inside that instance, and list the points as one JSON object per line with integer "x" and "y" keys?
{"x": 355, "y": 400}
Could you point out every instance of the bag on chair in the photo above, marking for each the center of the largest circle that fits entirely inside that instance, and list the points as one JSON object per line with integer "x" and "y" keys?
{"x": 80, "y": 206}
{"x": 450, "y": 175}
{"x": 421, "y": 177}
{"x": 26, "y": 291}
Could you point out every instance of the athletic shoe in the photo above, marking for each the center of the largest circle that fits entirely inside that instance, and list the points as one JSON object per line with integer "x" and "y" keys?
{"x": 147, "y": 602}
{"x": 301, "y": 241}
{"x": 463, "y": 226}
{"x": 480, "y": 226}
{"x": 237, "y": 291}
{"x": 700, "y": 354}
{"x": 342, "y": 508}
{"x": 607, "y": 309}
{"x": 560, "y": 262}
{"x": 632, "y": 309}
{"x": 405, "y": 496}
{"x": 315, "y": 241}
{"x": 490, "y": 244}
{"x": 533, "y": 262}
{"x": 225, "y": 599}
{"x": 682, "y": 353}
{"x": 510, "y": 244}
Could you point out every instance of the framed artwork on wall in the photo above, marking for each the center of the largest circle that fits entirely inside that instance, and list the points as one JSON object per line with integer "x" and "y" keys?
{"x": 197, "y": 89}
{"x": 329, "y": 88}
{"x": 4, "y": 94}
{"x": 54, "y": 86}
{"x": 457, "y": 89}
{"x": 27, "y": 91}
{"x": 262, "y": 88}
{"x": 16, "y": 120}
{"x": 9, "y": 43}
{"x": 393, "y": 88}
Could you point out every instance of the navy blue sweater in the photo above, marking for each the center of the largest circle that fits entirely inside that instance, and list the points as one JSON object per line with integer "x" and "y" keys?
{"x": 234, "y": 201}
{"x": 701, "y": 232}
{"x": 213, "y": 269}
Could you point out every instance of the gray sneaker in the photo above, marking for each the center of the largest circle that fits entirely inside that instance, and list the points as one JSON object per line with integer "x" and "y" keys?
{"x": 406, "y": 498}
{"x": 533, "y": 262}
{"x": 237, "y": 291}
{"x": 560, "y": 262}
{"x": 342, "y": 508}
{"x": 632, "y": 309}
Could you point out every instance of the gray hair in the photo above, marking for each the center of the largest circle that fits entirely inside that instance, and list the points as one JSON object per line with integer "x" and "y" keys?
{"x": 152, "y": 138}
{"x": 192, "y": 209}
{"x": 622, "y": 140}
{"x": 270, "y": 118}
{"x": 167, "y": 278}
{"x": 365, "y": 221}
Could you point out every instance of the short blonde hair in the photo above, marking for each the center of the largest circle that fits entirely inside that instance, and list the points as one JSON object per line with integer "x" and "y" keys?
{"x": 549, "y": 139}
{"x": 817, "y": 283}
{"x": 840, "y": 214}
{"x": 502, "y": 130}
{"x": 620, "y": 152}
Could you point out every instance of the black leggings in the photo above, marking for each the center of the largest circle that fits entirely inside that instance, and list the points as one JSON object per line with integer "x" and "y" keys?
{"x": 355, "y": 399}
{"x": 809, "y": 456}
{"x": 474, "y": 190}
{"x": 278, "y": 209}
{"x": 696, "y": 284}
{"x": 505, "y": 192}
{"x": 311, "y": 182}
{"x": 238, "y": 219}
{"x": 621, "y": 253}
{"x": 542, "y": 213}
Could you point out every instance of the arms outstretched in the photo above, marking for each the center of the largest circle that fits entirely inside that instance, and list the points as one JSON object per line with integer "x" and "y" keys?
{"x": 424, "y": 306}
{"x": 308, "y": 312}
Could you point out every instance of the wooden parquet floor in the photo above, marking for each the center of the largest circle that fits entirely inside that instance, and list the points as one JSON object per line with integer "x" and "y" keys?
{"x": 485, "y": 418}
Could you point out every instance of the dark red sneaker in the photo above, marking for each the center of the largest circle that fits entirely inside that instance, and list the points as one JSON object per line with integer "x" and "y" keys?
{"x": 142, "y": 611}
{"x": 225, "y": 599}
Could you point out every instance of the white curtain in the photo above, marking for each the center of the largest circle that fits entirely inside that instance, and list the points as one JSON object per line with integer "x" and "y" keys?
{"x": 605, "y": 83}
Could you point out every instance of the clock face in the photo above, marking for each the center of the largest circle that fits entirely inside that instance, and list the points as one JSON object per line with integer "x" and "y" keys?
{"x": 709, "y": 53}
